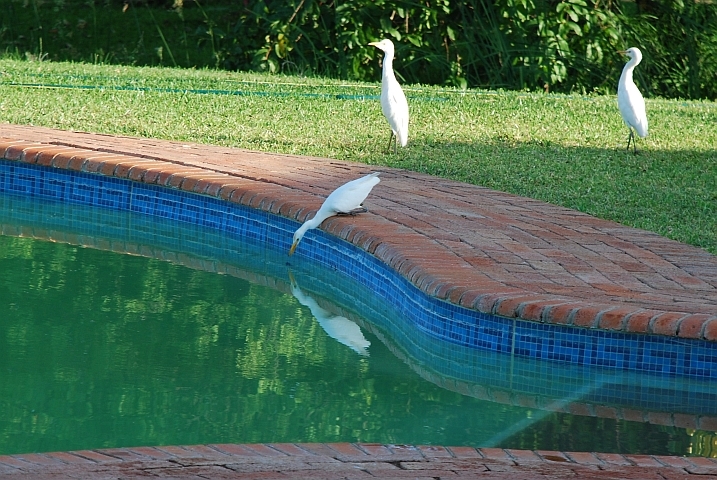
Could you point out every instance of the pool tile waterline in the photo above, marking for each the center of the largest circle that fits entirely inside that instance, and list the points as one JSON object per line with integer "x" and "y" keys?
{"x": 440, "y": 319}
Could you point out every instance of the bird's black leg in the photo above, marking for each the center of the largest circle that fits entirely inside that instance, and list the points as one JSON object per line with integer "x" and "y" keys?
{"x": 388, "y": 149}
{"x": 355, "y": 211}
{"x": 634, "y": 142}
{"x": 358, "y": 210}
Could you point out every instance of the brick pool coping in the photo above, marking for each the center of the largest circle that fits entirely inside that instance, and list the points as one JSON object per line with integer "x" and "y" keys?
{"x": 492, "y": 251}
{"x": 478, "y": 248}
{"x": 319, "y": 461}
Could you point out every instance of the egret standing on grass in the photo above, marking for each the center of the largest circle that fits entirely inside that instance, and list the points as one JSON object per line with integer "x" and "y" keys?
{"x": 630, "y": 101}
{"x": 393, "y": 101}
{"x": 347, "y": 199}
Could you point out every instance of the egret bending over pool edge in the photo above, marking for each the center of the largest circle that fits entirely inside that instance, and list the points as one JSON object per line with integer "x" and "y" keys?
{"x": 393, "y": 100}
{"x": 347, "y": 199}
{"x": 630, "y": 101}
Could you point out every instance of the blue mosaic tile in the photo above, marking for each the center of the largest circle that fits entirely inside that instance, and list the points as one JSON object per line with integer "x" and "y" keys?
{"x": 450, "y": 325}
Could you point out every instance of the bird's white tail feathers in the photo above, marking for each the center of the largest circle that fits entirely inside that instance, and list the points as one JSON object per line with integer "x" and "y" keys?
{"x": 641, "y": 127}
{"x": 401, "y": 129}
{"x": 402, "y": 136}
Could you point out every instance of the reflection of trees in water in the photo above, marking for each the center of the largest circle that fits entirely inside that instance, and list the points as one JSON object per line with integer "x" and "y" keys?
{"x": 704, "y": 444}
{"x": 102, "y": 350}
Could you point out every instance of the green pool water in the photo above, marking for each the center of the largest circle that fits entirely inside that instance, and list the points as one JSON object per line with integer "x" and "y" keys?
{"x": 100, "y": 349}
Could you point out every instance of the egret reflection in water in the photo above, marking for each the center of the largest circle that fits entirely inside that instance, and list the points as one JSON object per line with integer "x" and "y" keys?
{"x": 340, "y": 328}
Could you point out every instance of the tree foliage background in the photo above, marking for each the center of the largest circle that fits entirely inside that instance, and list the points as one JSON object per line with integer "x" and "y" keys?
{"x": 557, "y": 46}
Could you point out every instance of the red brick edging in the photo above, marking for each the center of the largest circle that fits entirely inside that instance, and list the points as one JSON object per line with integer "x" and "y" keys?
{"x": 482, "y": 249}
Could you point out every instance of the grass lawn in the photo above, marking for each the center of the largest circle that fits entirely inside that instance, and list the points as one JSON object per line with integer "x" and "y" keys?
{"x": 568, "y": 150}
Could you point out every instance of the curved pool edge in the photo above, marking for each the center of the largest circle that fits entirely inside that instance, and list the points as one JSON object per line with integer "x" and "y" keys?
{"x": 441, "y": 256}
{"x": 322, "y": 460}
{"x": 348, "y": 460}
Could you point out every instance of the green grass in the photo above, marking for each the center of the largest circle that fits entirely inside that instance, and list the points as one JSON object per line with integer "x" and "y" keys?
{"x": 568, "y": 150}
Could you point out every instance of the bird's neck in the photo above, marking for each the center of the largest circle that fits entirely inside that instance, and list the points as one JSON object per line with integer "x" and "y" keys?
{"x": 388, "y": 66}
{"x": 320, "y": 216}
{"x": 627, "y": 70}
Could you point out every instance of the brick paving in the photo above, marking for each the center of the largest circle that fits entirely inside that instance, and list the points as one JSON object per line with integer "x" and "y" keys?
{"x": 476, "y": 247}
{"x": 483, "y": 249}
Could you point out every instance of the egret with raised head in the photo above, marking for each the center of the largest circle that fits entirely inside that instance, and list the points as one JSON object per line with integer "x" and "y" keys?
{"x": 393, "y": 100}
{"x": 630, "y": 101}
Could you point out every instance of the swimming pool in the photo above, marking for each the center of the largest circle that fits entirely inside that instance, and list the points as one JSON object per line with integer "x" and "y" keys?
{"x": 506, "y": 361}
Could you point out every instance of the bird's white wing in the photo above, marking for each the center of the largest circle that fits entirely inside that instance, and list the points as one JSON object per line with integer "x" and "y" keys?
{"x": 351, "y": 195}
{"x": 346, "y": 332}
{"x": 339, "y": 328}
{"x": 632, "y": 108}
{"x": 396, "y": 111}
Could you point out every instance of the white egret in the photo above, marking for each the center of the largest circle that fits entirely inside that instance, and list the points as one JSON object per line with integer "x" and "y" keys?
{"x": 347, "y": 199}
{"x": 629, "y": 99}
{"x": 337, "y": 327}
{"x": 393, "y": 101}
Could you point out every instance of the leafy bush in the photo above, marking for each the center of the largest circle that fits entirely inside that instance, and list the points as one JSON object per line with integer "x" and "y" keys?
{"x": 563, "y": 46}
{"x": 679, "y": 42}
